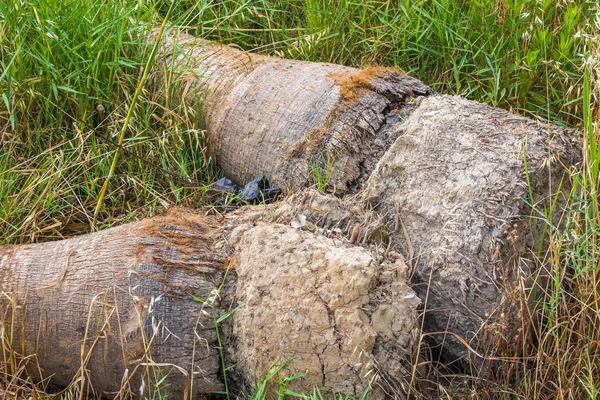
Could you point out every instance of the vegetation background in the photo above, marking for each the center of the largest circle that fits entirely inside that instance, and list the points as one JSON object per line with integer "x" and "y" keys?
{"x": 67, "y": 66}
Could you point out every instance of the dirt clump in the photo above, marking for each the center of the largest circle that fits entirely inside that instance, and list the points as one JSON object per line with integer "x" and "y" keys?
{"x": 323, "y": 307}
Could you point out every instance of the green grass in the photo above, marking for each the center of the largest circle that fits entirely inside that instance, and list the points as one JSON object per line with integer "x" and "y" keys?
{"x": 321, "y": 171}
{"x": 567, "y": 357}
{"x": 59, "y": 59}
{"x": 520, "y": 54}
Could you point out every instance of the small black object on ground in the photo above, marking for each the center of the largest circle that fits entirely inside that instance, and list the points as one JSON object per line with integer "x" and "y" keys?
{"x": 254, "y": 192}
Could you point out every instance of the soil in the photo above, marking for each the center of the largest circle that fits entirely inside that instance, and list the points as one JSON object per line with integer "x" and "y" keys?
{"x": 321, "y": 307}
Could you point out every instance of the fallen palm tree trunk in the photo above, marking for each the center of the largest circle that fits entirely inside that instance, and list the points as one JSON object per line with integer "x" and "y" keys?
{"x": 455, "y": 187}
{"x": 287, "y": 118}
{"x": 458, "y": 187}
{"x": 142, "y": 309}
{"x": 112, "y": 311}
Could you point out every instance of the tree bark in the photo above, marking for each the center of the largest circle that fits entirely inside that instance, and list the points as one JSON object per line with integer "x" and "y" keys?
{"x": 114, "y": 308}
{"x": 288, "y": 118}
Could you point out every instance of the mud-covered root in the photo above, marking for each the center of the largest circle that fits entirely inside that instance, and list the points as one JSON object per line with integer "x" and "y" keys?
{"x": 347, "y": 306}
{"x": 324, "y": 309}
{"x": 458, "y": 183}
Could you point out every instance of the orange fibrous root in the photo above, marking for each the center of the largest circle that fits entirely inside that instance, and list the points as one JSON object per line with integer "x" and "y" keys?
{"x": 352, "y": 84}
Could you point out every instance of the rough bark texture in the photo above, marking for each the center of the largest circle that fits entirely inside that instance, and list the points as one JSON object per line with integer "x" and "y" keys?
{"x": 456, "y": 177}
{"x": 310, "y": 298}
{"x": 115, "y": 306}
{"x": 286, "y": 118}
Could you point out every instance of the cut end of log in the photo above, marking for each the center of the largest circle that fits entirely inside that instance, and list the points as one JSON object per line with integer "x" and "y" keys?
{"x": 330, "y": 313}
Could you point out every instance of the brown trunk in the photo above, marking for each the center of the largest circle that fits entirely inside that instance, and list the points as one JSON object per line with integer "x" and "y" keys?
{"x": 117, "y": 306}
{"x": 455, "y": 174}
{"x": 289, "y": 118}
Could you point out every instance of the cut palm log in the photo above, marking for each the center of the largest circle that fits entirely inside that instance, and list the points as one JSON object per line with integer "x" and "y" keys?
{"x": 146, "y": 308}
{"x": 291, "y": 119}
{"x": 113, "y": 311}
{"x": 458, "y": 187}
